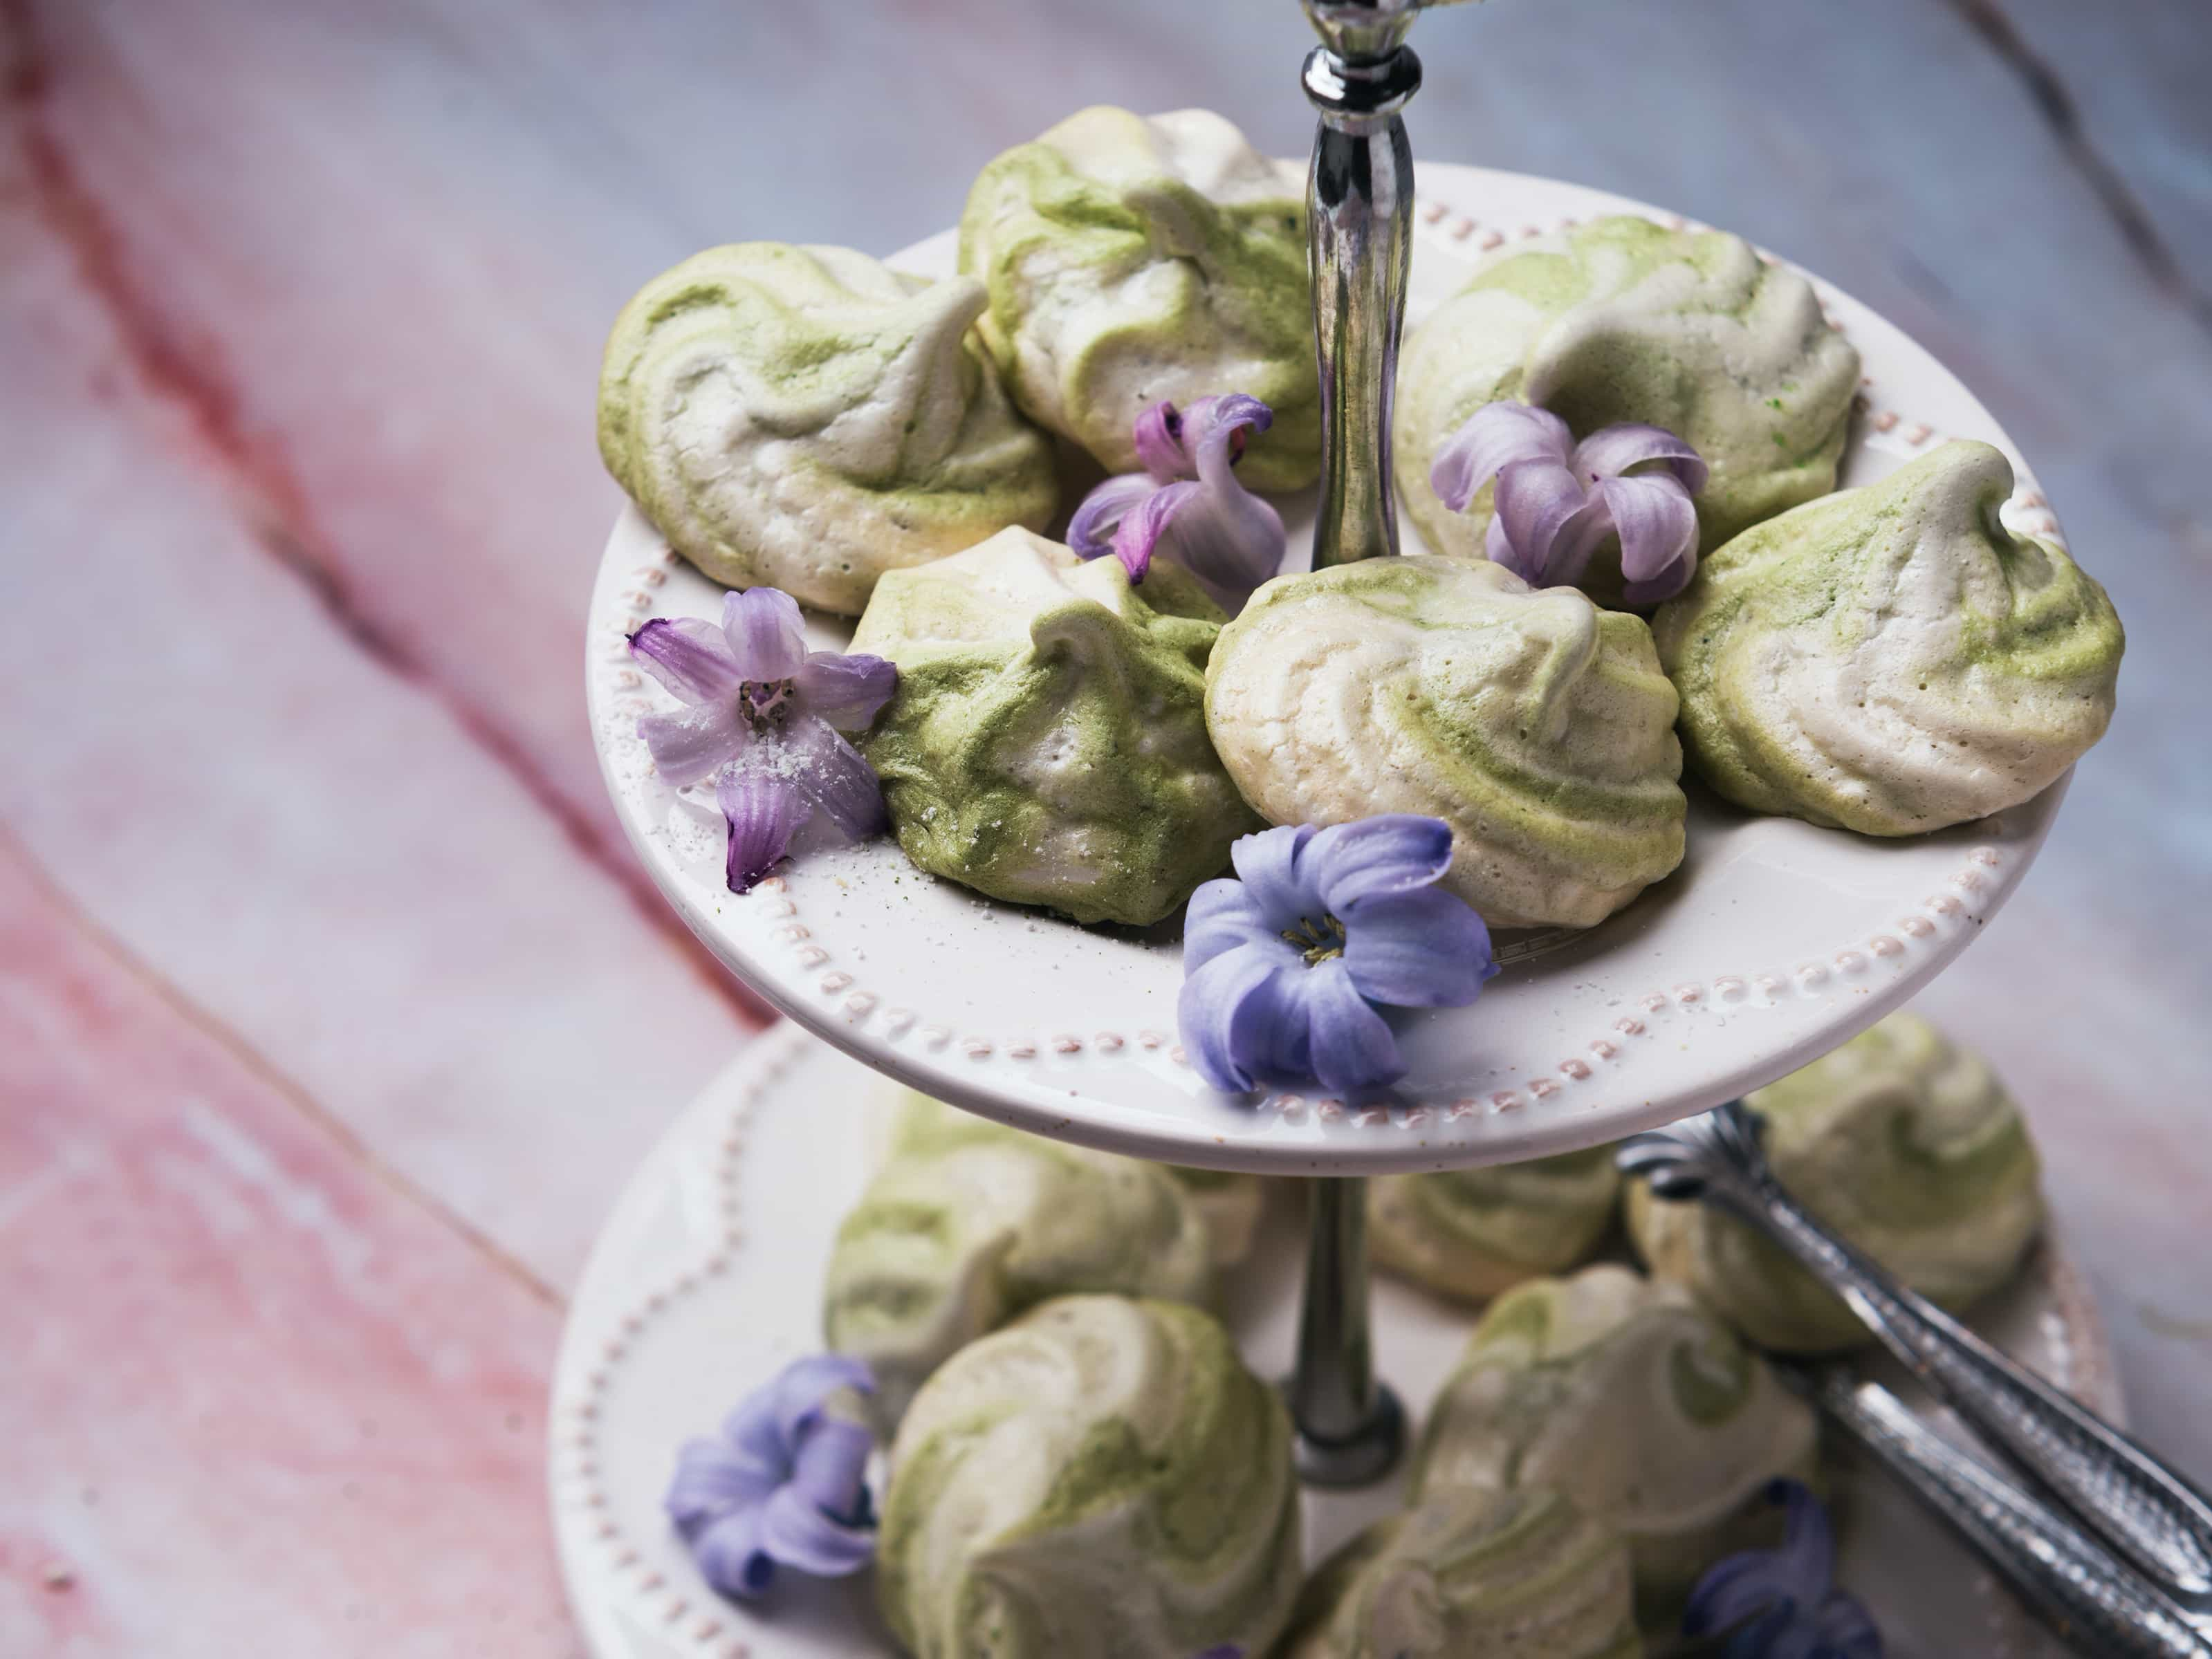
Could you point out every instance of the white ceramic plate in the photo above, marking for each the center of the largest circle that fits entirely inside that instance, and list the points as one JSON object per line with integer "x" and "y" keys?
{"x": 708, "y": 1277}
{"x": 1774, "y": 942}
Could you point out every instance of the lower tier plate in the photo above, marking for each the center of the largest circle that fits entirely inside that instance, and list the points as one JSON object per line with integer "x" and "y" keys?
{"x": 707, "y": 1276}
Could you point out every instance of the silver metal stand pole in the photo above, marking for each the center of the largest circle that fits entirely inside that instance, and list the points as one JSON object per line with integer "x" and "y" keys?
{"x": 1351, "y": 1427}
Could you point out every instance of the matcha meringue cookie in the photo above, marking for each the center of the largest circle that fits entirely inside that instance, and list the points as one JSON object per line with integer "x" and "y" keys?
{"x": 1507, "y": 1574}
{"x": 1643, "y": 1409}
{"x": 1621, "y": 320}
{"x": 1905, "y": 1145}
{"x": 806, "y": 418}
{"x": 1475, "y": 1233}
{"x": 1535, "y": 725}
{"x": 1047, "y": 743}
{"x": 1101, "y": 1480}
{"x": 1229, "y": 1205}
{"x": 968, "y": 1223}
{"x": 1131, "y": 260}
{"x": 1892, "y": 659}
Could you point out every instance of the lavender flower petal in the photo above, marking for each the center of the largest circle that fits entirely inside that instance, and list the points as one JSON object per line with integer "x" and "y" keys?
{"x": 1159, "y": 433}
{"x": 1220, "y": 917}
{"x": 1137, "y": 537}
{"x": 1610, "y": 452}
{"x": 766, "y": 634}
{"x": 1225, "y": 535}
{"x": 694, "y": 743}
{"x": 1658, "y": 528}
{"x": 1227, "y": 1011}
{"x": 1789, "y": 1594}
{"x": 732, "y": 1555}
{"x": 830, "y": 773}
{"x": 1424, "y": 950}
{"x": 1220, "y": 426}
{"x": 1268, "y": 866}
{"x": 845, "y": 691}
{"x": 714, "y": 1477}
{"x": 764, "y": 809}
{"x": 794, "y": 1532}
{"x": 794, "y": 1401}
{"x": 1494, "y": 437}
{"x": 692, "y": 658}
{"x": 1090, "y": 532}
{"x": 1548, "y": 519}
{"x": 1351, "y": 1045}
{"x": 829, "y": 1471}
{"x": 1386, "y": 856}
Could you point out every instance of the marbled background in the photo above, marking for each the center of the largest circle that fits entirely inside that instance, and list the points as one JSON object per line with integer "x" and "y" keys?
{"x": 332, "y": 1010}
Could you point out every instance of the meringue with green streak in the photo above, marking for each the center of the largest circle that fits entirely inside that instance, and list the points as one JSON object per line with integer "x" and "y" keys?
{"x": 1893, "y": 659}
{"x": 1229, "y": 1205}
{"x": 1101, "y": 1480}
{"x": 1507, "y": 1574}
{"x": 1902, "y": 1144}
{"x": 968, "y": 1222}
{"x": 1621, "y": 320}
{"x": 1535, "y": 725}
{"x": 806, "y": 418}
{"x": 1131, "y": 260}
{"x": 1646, "y": 1411}
{"x": 1475, "y": 1233}
{"x": 1047, "y": 743}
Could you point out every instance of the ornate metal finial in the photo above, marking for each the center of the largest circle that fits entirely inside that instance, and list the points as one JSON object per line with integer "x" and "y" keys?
{"x": 1717, "y": 1155}
{"x": 1360, "y": 216}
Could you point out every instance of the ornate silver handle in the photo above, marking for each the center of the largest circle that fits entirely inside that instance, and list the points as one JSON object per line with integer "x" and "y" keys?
{"x": 2075, "y": 1585}
{"x": 1359, "y": 205}
{"x": 2151, "y": 1514}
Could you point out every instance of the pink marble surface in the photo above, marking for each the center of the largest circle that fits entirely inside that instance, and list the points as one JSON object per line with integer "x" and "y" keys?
{"x": 332, "y": 1012}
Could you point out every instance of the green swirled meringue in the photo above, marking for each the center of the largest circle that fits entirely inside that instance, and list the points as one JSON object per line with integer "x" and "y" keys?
{"x": 1640, "y": 1406}
{"x": 1101, "y": 1480}
{"x": 1475, "y": 1233}
{"x": 1537, "y": 726}
{"x": 1505, "y": 1574}
{"x": 1892, "y": 659}
{"x": 1907, "y": 1146}
{"x": 968, "y": 1223}
{"x": 1621, "y": 319}
{"x": 1229, "y": 1206}
{"x": 1130, "y": 259}
{"x": 808, "y": 418}
{"x": 1047, "y": 743}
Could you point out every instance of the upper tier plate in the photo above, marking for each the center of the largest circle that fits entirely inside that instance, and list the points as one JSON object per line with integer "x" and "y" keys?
{"x": 1774, "y": 942}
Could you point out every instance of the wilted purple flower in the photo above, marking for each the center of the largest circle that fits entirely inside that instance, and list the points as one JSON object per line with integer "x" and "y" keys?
{"x": 781, "y": 1483}
{"x": 1188, "y": 502}
{"x": 1557, "y": 500}
{"x": 1283, "y": 964}
{"x": 1783, "y": 1604}
{"x": 764, "y": 714}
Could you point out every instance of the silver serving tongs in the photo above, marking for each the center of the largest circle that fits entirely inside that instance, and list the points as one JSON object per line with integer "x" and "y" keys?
{"x": 2119, "y": 1565}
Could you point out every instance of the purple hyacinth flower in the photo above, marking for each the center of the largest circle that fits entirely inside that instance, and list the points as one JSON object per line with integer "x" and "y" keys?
{"x": 1285, "y": 965}
{"x": 1783, "y": 1604}
{"x": 782, "y": 1485}
{"x": 1558, "y": 499}
{"x": 763, "y": 717}
{"x": 1188, "y": 503}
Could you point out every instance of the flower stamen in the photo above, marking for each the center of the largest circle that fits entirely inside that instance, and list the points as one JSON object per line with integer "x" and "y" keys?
{"x": 1318, "y": 941}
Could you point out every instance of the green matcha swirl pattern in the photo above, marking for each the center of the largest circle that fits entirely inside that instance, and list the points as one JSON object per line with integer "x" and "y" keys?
{"x": 1901, "y": 1143}
{"x": 1621, "y": 319}
{"x": 1132, "y": 259}
{"x": 1047, "y": 743}
{"x": 1101, "y": 1480}
{"x": 1505, "y": 1574}
{"x": 1474, "y": 1233}
{"x": 807, "y": 418}
{"x": 1892, "y": 659}
{"x": 1648, "y": 1413}
{"x": 968, "y": 1222}
{"x": 1537, "y": 726}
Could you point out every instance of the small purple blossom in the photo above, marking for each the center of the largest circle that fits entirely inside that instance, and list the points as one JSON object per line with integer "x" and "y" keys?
{"x": 1783, "y": 1604}
{"x": 1558, "y": 499}
{"x": 1284, "y": 964}
{"x": 781, "y": 1485}
{"x": 764, "y": 719}
{"x": 1188, "y": 503}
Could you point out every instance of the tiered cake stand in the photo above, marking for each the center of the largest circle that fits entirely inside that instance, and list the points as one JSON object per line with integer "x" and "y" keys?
{"x": 1773, "y": 943}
